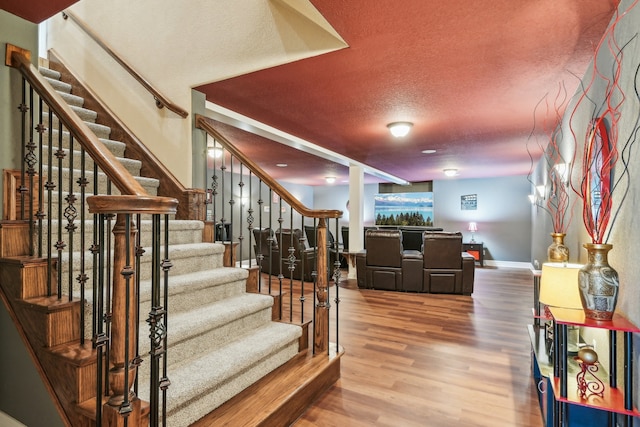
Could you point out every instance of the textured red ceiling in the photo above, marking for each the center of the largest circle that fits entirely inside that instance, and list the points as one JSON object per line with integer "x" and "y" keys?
{"x": 35, "y": 11}
{"x": 467, "y": 74}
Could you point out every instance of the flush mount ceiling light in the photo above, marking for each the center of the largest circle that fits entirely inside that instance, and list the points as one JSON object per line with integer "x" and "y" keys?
{"x": 428, "y": 151}
{"x": 399, "y": 129}
{"x": 450, "y": 172}
{"x": 281, "y": 165}
{"x": 330, "y": 179}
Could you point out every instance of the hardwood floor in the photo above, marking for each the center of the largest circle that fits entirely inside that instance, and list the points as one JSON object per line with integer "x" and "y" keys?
{"x": 434, "y": 360}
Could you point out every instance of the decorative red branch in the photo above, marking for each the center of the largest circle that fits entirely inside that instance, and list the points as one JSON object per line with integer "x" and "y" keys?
{"x": 600, "y": 153}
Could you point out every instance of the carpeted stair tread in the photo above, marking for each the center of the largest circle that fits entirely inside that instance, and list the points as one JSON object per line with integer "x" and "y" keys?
{"x": 204, "y": 383}
{"x": 72, "y": 99}
{"x": 49, "y": 73}
{"x": 220, "y": 283}
{"x": 180, "y": 231}
{"x": 132, "y": 165}
{"x": 85, "y": 114}
{"x": 212, "y": 326}
{"x": 117, "y": 148}
{"x": 149, "y": 184}
{"x": 186, "y": 258}
{"x": 58, "y": 85}
{"x": 200, "y": 319}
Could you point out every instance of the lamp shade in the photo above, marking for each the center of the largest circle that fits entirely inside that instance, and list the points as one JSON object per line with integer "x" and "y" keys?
{"x": 559, "y": 285}
{"x": 473, "y": 227}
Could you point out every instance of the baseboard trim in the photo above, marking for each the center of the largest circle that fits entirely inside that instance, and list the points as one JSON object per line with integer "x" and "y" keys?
{"x": 508, "y": 264}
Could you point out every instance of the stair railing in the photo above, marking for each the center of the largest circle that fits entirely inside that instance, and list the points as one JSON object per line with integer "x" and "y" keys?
{"x": 95, "y": 265}
{"x": 268, "y": 230}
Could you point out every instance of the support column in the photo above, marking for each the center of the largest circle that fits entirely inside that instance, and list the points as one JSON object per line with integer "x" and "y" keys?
{"x": 356, "y": 215}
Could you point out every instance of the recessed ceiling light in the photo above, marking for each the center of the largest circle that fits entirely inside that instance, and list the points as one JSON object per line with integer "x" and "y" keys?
{"x": 399, "y": 129}
{"x": 429, "y": 151}
{"x": 450, "y": 172}
{"x": 282, "y": 165}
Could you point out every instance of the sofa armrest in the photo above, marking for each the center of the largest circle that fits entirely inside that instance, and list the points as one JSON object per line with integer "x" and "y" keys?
{"x": 361, "y": 269}
{"x": 412, "y": 271}
{"x": 468, "y": 273}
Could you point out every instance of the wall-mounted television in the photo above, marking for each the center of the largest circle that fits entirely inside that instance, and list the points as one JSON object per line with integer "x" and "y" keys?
{"x": 407, "y": 209}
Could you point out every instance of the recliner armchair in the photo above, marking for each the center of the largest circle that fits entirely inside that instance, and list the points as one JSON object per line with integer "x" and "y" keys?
{"x": 266, "y": 250}
{"x": 305, "y": 258}
{"x": 310, "y": 232}
{"x": 446, "y": 268}
{"x": 387, "y": 265}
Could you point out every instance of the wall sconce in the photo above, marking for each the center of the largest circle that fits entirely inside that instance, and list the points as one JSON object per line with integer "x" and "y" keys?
{"x": 450, "y": 172}
{"x": 473, "y": 227}
{"x": 214, "y": 152}
{"x": 400, "y": 129}
{"x": 563, "y": 171}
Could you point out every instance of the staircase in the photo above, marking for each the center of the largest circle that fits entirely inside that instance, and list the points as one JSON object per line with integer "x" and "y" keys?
{"x": 222, "y": 341}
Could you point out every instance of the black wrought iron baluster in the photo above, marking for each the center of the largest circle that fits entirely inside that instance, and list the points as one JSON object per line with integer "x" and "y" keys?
{"x": 156, "y": 326}
{"x": 30, "y": 161}
{"x": 125, "y": 408}
{"x": 60, "y": 245}
{"x": 240, "y": 216}
{"x": 41, "y": 128}
{"x": 100, "y": 338}
{"x": 23, "y": 108}
{"x": 271, "y": 238}
{"x": 250, "y": 218}
{"x": 138, "y": 252}
{"x": 108, "y": 316}
{"x": 82, "y": 277}
{"x": 70, "y": 214}
{"x": 96, "y": 249}
{"x": 290, "y": 250}
{"x": 50, "y": 186}
{"x": 223, "y": 169}
{"x": 259, "y": 254}
{"x": 214, "y": 193}
{"x": 166, "y": 268}
{"x": 232, "y": 203}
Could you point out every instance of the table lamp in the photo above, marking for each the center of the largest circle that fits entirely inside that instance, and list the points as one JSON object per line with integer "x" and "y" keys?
{"x": 559, "y": 288}
{"x": 473, "y": 227}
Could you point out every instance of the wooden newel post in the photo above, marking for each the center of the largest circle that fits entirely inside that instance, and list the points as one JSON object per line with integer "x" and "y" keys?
{"x": 123, "y": 330}
{"x": 321, "y": 327}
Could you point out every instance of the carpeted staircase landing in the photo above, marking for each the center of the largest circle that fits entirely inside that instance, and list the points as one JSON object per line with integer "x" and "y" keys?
{"x": 221, "y": 338}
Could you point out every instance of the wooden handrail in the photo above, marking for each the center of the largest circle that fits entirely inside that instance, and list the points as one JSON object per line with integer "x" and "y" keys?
{"x": 132, "y": 204}
{"x": 203, "y": 123}
{"x": 161, "y": 100}
{"x": 116, "y": 172}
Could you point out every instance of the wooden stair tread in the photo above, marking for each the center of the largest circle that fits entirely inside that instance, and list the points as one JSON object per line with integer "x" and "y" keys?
{"x": 281, "y": 396}
{"x": 49, "y": 304}
{"x": 75, "y": 353}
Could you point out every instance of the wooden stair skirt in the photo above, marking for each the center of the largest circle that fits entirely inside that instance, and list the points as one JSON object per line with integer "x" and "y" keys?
{"x": 282, "y": 396}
